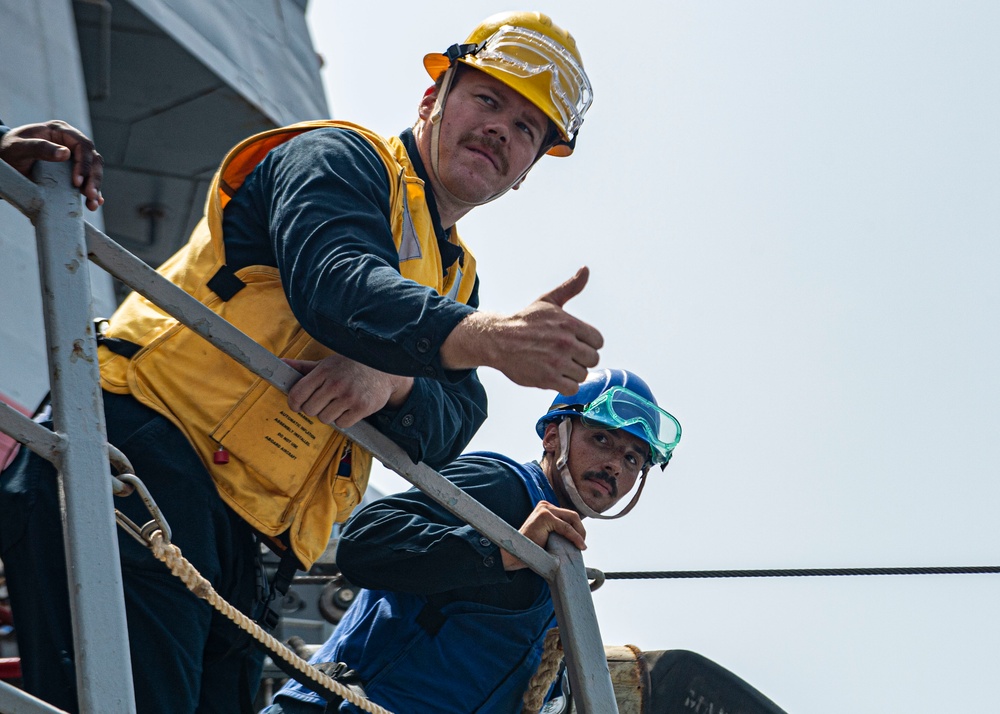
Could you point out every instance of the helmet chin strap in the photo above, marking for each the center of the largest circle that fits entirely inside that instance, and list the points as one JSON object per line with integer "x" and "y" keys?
{"x": 437, "y": 116}
{"x": 565, "y": 430}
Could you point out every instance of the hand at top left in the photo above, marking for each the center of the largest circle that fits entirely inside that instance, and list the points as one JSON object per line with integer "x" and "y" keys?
{"x": 56, "y": 140}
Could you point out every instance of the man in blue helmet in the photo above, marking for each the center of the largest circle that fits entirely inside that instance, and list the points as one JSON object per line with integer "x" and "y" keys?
{"x": 438, "y": 590}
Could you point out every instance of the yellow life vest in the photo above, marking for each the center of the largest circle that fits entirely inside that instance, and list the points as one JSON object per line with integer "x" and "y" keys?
{"x": 282, "y": 469}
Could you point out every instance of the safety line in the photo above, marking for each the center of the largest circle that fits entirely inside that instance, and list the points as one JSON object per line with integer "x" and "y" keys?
{"x": 789, "y": 573}
{"x": 171, "y": 556}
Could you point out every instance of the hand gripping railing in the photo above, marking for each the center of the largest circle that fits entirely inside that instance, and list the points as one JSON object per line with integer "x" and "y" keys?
{"x": 562, "y": 566}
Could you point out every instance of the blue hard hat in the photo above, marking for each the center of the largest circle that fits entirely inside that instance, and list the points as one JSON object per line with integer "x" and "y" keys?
{"x": 619, "y": 399}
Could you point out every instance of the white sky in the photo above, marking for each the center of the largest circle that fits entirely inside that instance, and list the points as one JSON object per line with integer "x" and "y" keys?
{"x": 790, "y": 211}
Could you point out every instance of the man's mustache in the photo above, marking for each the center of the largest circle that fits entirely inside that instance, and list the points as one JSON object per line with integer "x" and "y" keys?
{"x": 603, "y": 476}
{"x": 496, "y": 148}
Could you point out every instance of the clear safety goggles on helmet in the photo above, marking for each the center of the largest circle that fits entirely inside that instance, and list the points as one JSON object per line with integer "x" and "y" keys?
{"x": 526, "y": 53}
{"x": 620, "y": 408}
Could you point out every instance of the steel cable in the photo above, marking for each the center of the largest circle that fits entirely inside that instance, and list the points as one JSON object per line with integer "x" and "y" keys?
{"x": 801, "y": 572}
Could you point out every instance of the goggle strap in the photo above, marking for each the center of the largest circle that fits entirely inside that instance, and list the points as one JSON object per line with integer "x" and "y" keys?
{"x": 560, "y": 141}
{"x": 437, "y": 114}
{"x": 565, "y": 427}
{"x": 458, "y": 51}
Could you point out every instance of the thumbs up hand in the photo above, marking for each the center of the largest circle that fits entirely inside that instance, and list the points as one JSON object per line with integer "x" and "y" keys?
{"x": 540, "y": 346}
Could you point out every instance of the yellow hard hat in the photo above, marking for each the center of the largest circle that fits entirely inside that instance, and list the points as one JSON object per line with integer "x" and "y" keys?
{"x": 534, "y": 57}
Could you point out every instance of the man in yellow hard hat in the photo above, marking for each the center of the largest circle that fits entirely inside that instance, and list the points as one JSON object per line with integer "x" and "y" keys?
{"x": 526, "y": 53}
{"x": 337, "y": 249}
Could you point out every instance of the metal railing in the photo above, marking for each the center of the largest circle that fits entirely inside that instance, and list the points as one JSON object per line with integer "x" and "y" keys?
{"x": 78, "y": 447}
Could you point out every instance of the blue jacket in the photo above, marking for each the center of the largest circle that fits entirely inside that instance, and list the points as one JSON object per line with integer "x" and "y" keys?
{"x": 419, "y": 652}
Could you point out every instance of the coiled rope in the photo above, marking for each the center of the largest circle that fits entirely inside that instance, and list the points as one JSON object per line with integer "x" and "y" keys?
{"x": 548, "y": 669}
{"x": 170, "y": 555}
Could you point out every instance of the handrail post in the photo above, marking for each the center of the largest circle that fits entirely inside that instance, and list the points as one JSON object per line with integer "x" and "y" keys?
{"x": 97, "y": 601}
{"x": 586, "y": 662}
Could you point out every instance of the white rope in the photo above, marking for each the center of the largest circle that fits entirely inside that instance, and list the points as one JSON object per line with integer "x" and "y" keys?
{"x": 546, "y": 673}
{"x": 170, "y": 555}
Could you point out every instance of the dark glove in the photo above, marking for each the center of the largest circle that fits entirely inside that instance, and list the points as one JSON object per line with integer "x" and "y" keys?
{"x": 340, "y": 672}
